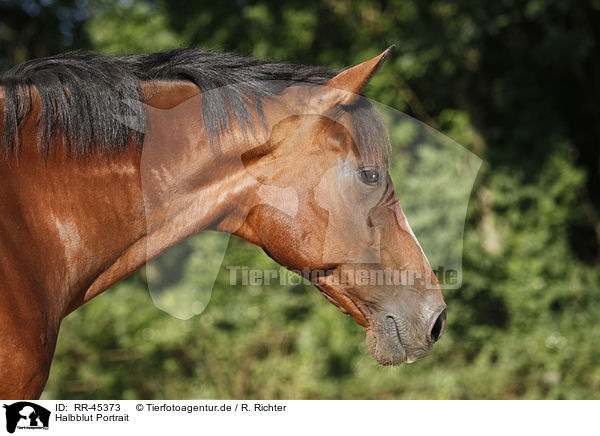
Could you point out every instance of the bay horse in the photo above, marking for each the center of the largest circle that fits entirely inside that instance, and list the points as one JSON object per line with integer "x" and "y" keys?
{"x": 107, "y": 162}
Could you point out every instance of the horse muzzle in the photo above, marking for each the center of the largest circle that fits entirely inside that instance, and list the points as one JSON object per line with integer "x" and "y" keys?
{"x": 394, "y": 339}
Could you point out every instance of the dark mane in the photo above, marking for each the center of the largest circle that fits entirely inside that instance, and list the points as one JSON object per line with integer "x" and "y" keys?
{"x": 94, "y": 101}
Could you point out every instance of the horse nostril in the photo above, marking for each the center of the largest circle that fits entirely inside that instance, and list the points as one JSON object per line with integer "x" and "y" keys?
{"x": 438, "y": 327}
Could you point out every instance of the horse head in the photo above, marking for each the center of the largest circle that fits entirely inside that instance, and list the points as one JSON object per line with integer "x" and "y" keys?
{"x": 349, "y": 235}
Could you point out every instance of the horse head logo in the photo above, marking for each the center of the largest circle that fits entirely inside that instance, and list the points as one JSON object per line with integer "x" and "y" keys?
{"x": 26, "y": 415}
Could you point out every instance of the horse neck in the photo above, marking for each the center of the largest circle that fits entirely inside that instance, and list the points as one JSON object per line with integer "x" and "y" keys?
{"x": 96, "y": 220}
{"x": 186, "y": 184}
{"x": 63, "y": 218}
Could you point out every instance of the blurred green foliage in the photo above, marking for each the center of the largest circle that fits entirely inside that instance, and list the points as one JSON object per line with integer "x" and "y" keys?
{"x": 516, "y": 83}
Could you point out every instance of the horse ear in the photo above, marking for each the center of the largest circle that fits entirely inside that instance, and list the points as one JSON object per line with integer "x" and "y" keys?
{"x": 353, "y": 80}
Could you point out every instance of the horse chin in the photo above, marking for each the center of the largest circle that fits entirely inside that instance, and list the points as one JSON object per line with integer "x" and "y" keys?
{"x": 385, "y": 346}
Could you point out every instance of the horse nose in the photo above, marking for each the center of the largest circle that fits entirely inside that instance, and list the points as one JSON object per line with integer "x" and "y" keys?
{"x": 437, "y": 326}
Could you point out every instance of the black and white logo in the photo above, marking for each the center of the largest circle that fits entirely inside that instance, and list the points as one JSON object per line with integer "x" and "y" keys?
{"x": 26, "y": 415}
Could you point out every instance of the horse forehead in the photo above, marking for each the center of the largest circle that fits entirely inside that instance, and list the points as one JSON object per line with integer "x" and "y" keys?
{"x": 340, "y": 125}
{"x": 325, "y": 134}
{"x": 342, "y": 130}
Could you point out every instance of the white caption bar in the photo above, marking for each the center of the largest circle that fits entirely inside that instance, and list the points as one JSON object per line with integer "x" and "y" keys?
{"x": 298, "y": 417}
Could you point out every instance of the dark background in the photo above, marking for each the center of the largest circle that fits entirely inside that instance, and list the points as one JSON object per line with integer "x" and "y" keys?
{"x": 515, "y": 82}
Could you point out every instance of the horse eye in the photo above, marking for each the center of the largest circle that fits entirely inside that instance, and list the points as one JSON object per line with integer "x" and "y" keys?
{"x": 369, "y": 176}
